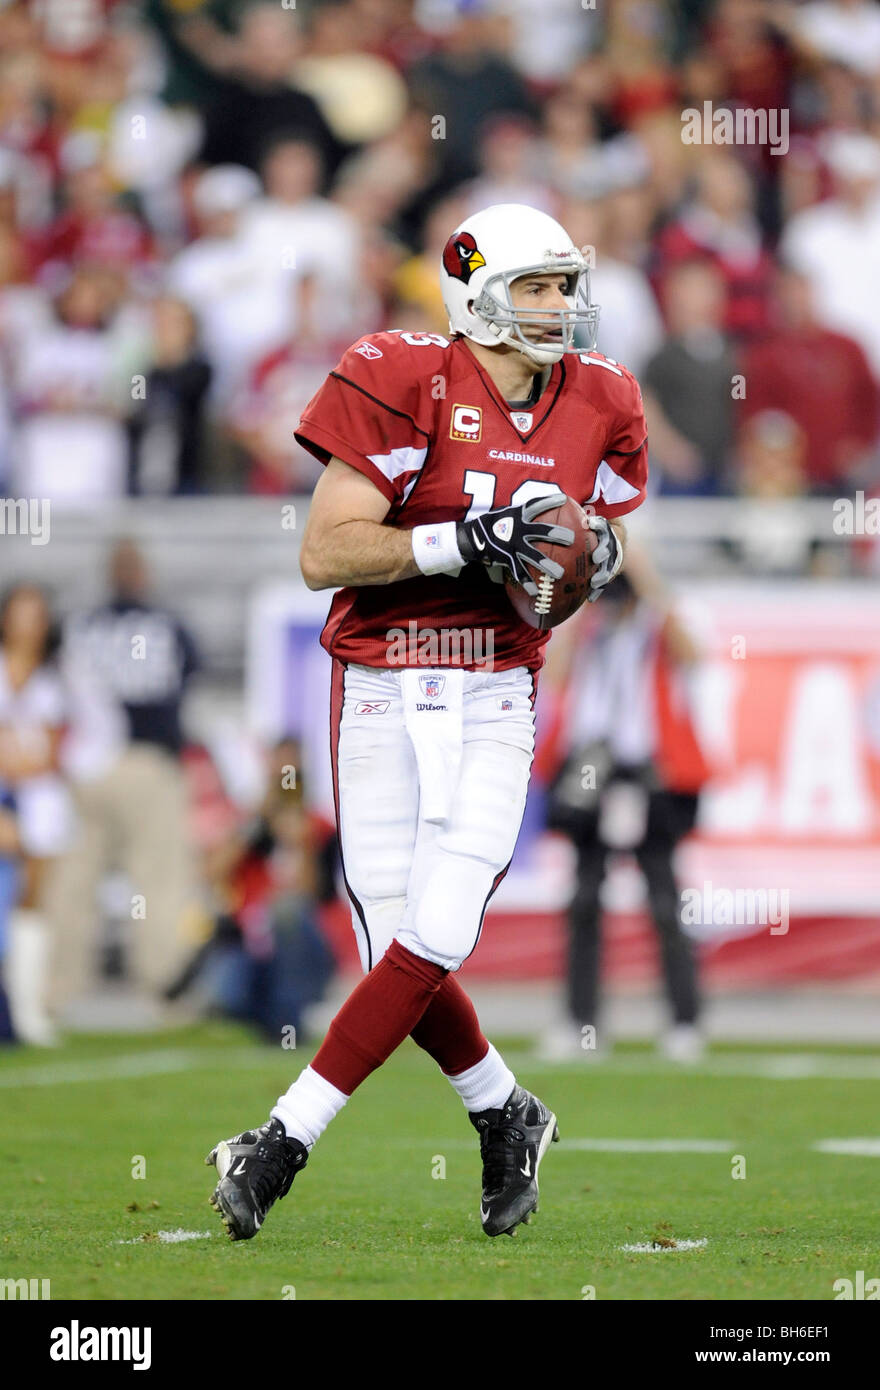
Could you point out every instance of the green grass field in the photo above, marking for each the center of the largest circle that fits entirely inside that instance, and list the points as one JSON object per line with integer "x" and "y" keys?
{"x": 367, "y": 1220}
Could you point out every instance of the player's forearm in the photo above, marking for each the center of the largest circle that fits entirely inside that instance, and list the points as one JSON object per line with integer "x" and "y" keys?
{"x": 360, "y": 553}
{"x": 357, "y": 553}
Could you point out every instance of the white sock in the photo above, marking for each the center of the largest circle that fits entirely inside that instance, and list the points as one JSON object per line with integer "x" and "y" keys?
{"x": 308, "y": 1106}
{"x": 487, "y": 1085}
{"x": 27, "y": 969}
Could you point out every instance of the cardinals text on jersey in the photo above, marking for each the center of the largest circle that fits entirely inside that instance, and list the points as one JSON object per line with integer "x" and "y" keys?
{"x": 418, "y": 416}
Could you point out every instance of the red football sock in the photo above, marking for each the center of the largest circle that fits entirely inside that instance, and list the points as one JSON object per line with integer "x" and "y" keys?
{"x": 449, "y": 1031}
{"x": 376, "y": 1017}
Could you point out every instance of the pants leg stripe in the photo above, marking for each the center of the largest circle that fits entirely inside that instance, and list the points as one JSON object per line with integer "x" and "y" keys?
{"x": 337, "y": 699}
{"x": 495, "y": 882}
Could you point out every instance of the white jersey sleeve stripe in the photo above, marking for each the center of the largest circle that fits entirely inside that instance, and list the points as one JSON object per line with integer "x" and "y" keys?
{"x": 403, "y": 460}
{"x": 611, "y": 487}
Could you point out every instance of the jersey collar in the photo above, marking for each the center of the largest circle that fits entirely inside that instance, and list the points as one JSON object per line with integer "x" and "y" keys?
{"x": 539, "y": 411}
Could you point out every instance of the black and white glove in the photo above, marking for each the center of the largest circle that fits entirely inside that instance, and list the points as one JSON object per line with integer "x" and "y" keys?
{"x": 504, "y": 537}
{"x": 607, "y": 556}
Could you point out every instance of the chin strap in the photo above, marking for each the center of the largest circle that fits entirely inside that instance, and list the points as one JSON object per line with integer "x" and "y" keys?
{"x": 507, "y": 338}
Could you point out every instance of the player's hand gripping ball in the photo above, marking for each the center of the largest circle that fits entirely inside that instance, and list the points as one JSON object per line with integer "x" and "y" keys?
{"x": 557, "y": 599}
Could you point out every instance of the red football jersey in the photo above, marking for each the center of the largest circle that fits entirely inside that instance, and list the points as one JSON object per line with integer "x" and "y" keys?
{"x": 418, "y": 415}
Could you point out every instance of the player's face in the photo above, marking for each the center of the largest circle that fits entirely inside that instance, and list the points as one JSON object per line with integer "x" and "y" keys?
{"x": 26, "y": 620}
{"x": 535, "y": 294}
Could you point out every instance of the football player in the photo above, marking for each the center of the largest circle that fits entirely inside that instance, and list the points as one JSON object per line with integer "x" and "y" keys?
{"x": 442, "y": 455}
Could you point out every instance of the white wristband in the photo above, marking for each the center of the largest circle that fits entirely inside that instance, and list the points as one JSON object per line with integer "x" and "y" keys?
{"x": 435, "y": 549}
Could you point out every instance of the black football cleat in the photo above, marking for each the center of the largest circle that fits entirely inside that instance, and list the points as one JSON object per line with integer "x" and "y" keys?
{"x": 256, "y": 1169}
{"x": 512, "y": 1143}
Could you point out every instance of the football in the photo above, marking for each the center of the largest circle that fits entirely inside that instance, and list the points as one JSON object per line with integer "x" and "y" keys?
{"x": 558, "y": 599}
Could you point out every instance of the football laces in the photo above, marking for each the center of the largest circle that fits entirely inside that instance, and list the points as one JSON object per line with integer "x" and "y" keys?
{"x": 544, "y": 599}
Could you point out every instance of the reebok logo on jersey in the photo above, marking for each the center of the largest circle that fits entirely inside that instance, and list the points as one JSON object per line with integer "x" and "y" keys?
{"x": 371, "y": 706}
{"x": 369, "y": 350}
{"x": 512, "y": 456}
{"x": 466, "y": 423}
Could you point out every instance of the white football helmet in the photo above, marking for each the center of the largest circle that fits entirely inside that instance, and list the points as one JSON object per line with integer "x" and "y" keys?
{"x": 487, "y": 253}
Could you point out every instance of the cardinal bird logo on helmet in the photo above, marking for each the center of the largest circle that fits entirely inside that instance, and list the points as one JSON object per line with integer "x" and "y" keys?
{"x": 461, "y": 257}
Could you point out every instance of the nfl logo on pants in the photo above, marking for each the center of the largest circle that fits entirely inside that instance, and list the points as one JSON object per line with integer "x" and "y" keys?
{"x": 432, "y": 686}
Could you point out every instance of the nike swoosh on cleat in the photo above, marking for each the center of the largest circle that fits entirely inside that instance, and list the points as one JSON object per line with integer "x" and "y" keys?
{"x": 527, "y": 1171}
{"x": 484, "y": 1215}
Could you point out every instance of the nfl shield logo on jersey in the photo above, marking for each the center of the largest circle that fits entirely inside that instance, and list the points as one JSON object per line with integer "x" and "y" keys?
{"x": 432, "y": 686}
{"x": 522, "y": 419}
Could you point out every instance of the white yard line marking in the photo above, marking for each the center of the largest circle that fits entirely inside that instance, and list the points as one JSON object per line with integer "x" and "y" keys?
{"x": 157, "y": 1063}
{"x": 649, "y": 1146}
{"x": 858, "y": 1148}
{"x": 612, "y": 1146}
{"x": 168, "y": 1237}
{"x": 652, "y": 1249}
{"x": 770, "y": 1066}
{"x": 765, "y": 1066}
{"x": 103, "y": 1069}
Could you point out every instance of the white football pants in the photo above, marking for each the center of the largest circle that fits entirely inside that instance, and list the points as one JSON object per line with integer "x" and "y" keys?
{"x": 427, "y": 882}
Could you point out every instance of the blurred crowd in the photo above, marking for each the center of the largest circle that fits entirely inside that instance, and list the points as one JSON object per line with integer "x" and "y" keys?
{"x": 203, "y": 202}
